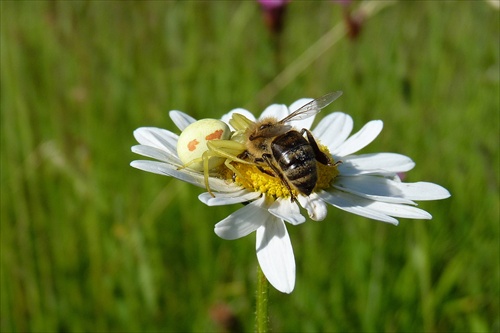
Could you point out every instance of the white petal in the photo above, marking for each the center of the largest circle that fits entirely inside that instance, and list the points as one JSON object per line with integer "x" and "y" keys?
{"x": 228, "y": 198}
{"x": 181, "y": 119}
{"x": 244, "y": 221}
{"x": 166, "y": 169}
{"x": 315, "y": 206}
{"x": 303, "y": 123}
{"x": 423, "y": 191}
{"x": 156, "y": 153}
{"x": 397, "y": 210}
{"x": 377, "y": 164}
{"x": 278, "y": 111}
{"x": 373, "y": 187}
{"x": 333, "y": 130}
{"x": 356, "y": 205}
{"x": 186, "y": 175}
{"x": 225, "y": 118}
{"x": 287, "y": 210}
{"x": 222, "y": 186}
{"x": 275, "y": 254}
{"x": 373, "y": 209}
{"x": 361, "y": 139}
{"x": 158, "y": 138}
{"x": 392, "y": 209}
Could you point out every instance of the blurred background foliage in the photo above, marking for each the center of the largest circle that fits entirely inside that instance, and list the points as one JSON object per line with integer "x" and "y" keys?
{"x": 90, "y": 244}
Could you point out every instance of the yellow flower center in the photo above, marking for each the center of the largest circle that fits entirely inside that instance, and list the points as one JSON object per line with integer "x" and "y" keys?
{"x": 262, "y": 178}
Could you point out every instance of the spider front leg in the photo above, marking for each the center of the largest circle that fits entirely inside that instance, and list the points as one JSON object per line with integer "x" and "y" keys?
{"x": 226, "y": 149}
{"x": 204, "y": 160}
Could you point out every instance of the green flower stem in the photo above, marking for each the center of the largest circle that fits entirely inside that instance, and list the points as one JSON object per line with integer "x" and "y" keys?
{"x": 261, "y": 313}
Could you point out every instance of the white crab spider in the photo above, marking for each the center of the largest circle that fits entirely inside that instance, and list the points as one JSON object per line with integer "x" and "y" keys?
{"x": 208, "y": 143}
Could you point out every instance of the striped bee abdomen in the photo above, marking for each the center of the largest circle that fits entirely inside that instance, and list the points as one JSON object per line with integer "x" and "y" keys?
{"x": 295, "y": 157}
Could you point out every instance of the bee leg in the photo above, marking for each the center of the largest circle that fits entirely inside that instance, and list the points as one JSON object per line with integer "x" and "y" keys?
{"x": 267, "y": 172}
{"x": 268, "y": 159}
{"x": 259, "y": 163}
{"x": 319, "y": 155}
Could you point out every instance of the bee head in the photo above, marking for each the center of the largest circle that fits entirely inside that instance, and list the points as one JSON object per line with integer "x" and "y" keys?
{"x": 267, "y": 128}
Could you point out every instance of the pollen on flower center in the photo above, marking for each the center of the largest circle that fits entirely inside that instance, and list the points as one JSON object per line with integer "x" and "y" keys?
{"x": 262, "y": 178}
{"x": 326, "y": 173}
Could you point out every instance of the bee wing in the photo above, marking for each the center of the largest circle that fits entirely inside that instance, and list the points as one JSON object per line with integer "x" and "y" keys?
{"x": 312, "y": 108}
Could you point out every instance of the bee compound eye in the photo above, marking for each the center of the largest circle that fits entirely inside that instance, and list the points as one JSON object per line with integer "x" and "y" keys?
{"x": 264, "y": 126}
{"x": 193, "y": 140}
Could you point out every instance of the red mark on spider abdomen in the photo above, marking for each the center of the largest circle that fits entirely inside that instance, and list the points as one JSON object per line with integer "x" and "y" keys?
{"x": 192, "y": 144}
{"x": 215, "y": 135}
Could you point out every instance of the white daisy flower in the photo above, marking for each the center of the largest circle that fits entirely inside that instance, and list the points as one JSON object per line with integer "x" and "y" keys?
{"x": 366, "y": 185}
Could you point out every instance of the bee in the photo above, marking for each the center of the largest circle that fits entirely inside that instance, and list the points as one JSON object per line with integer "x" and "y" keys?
{"x": 272, "y": 145}
{"x": 285, "y": 151}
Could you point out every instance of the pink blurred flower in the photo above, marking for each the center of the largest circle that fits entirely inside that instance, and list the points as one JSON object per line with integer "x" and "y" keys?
{"x": 343, "y": 2}
{"x": 271, "y": 4}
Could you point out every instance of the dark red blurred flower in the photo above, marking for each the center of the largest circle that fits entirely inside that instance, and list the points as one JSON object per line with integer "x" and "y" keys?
{"x": 225, "y": 318}
{"x": 274, "y": 12}
{"x": 352, "y": 20}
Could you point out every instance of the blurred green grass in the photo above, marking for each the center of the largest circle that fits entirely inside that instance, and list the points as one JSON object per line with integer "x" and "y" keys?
{"x": 90, "y": 244}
